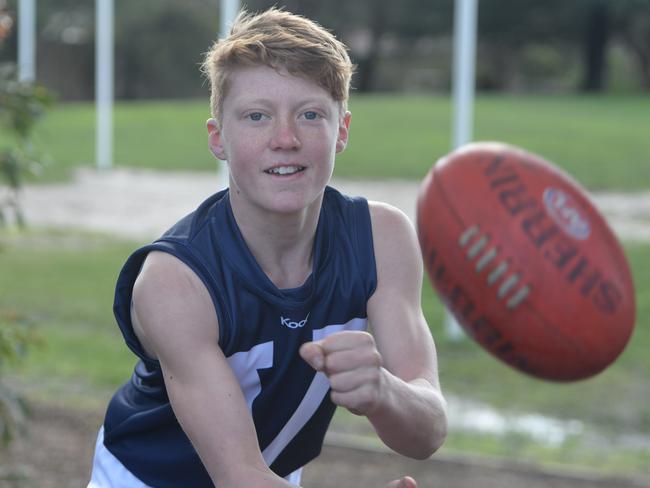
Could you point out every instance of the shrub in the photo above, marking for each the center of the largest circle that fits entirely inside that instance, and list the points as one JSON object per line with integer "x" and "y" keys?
{"x": 16, "y": 335}
{"x": 21, "y": 106}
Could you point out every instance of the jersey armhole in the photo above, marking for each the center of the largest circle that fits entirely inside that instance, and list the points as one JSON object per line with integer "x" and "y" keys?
{"x": 364, "y": 245}
{"x": 124, "y": 293}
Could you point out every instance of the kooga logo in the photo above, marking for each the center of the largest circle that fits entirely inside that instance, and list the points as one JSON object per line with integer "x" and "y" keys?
{"x": 291, "y": 324}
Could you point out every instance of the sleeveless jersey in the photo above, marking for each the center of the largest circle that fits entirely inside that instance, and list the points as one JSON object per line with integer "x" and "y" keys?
{"x": 261, "y": 329}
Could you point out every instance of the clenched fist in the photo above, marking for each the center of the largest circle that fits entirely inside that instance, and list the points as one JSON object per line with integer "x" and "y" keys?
{"x": 405, "y": 482}
{"x": 353, "y": 365}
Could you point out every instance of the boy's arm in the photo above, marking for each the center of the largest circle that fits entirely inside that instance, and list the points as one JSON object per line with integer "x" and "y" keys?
{"x": 175, "y": 320}
{"x": 392, "y": 378}
{"x": 411, "y": 414}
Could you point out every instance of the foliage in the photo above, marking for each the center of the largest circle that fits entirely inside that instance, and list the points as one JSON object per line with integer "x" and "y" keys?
{"x": 507, "y": 31}
{"x": 632, "y": 22}
{"x": 159, "y": 43}
{"x": 70, "y": 301}
{"x": 16, "y": 335}
{"x": 21, "y": 106}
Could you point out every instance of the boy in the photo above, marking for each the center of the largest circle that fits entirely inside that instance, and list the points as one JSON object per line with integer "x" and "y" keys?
{"x": 249, "y": 315}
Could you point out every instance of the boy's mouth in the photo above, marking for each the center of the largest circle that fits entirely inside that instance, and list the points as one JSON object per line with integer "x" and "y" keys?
{"x": 284, "y": 170}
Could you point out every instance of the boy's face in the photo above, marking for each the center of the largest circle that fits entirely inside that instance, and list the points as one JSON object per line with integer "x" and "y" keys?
{"x": 280, "y": 134}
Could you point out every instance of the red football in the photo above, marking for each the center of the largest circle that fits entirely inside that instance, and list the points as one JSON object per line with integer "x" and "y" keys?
{"x": 525, "y": 262}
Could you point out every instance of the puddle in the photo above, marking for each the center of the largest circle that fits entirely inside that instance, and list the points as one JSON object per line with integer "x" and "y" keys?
{"x": 474, "y": 416}
{"x": 468, "y": 415}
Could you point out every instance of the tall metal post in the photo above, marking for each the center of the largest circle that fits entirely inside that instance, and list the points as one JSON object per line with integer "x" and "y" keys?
{"x": 465, "y": 19}
{"x": 104, "y": 59}
{"x": 228, "y": 10}
{"x": 227, "y": 13}
{"x": 27, "y": 40}
{"x": 463, "y": 85}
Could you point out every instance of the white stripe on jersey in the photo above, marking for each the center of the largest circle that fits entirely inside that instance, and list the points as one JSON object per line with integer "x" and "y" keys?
{"x": 108, "y": 471}
{"x": 313, "y": 397}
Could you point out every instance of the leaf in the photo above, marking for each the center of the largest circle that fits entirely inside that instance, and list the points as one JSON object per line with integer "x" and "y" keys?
{"x": 22, "y": 104}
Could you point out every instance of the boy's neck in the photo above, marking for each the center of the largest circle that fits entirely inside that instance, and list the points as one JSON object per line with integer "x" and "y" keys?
{"x": 282, "y": 244}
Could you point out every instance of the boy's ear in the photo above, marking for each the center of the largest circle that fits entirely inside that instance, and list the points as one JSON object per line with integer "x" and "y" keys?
{"x": 215, "y": 140}
{"x": 344, "y": 130}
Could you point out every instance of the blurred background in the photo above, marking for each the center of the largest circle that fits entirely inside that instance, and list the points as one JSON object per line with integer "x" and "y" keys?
{"x": 568, "y": 80}
{"x": 525, "y": 46}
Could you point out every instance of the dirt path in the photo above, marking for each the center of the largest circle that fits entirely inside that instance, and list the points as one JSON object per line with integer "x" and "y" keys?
{"x": 57, "y": 454}
{"x": 143, "y": 204}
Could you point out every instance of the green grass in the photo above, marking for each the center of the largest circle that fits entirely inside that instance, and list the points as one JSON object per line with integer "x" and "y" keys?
{"x": 160, "y": 135}
{"x": 63, "y": 283}
{"x": 573, "y": 455}
{"x": 600, "y": 140}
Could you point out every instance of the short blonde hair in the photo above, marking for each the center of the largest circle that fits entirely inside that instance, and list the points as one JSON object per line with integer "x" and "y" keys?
{"x": 280, "y": 40}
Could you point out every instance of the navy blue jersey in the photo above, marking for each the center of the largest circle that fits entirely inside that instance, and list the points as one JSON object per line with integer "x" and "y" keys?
{"x": 261, "y": 329}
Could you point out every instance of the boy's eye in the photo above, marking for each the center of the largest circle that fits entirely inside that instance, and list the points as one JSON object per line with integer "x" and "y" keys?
{"x": 255, "y": 116}
{"x": 311, "y": 115}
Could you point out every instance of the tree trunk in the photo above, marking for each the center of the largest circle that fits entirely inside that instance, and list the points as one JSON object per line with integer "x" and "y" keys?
{"x": 595, "y": 46}
{"x": 367, "y": 65}
{"x": 636, "y": 36}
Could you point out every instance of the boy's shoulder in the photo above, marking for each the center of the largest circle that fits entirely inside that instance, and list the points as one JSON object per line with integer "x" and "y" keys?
{"x": 187, "y": 227}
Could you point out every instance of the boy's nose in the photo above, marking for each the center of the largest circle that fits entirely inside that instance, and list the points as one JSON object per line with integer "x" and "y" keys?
{"x": 285, "y": 136}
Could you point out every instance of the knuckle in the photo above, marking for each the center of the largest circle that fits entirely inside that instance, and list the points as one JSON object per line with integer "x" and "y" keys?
{"x": 332, "y": 364}
{"x": 337, "y": 398}
{"x": 334, "y": 397}
{"x": 328, "y": 364}
{"x": 376, "y": 358}
{"x": 336, "y": 383}
{"x": 368, "y": 339}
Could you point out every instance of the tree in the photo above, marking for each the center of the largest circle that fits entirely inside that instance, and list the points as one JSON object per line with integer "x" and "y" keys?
{"x": 21, "y": 105}
{"x": 159, "y": 47}
{"x": 15, "y": 332}
{"x": 595, "y": 45}
{"x": 369, "y": 26}
{"x": 631, "y": 19}
{"x": 16, "y": 336}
